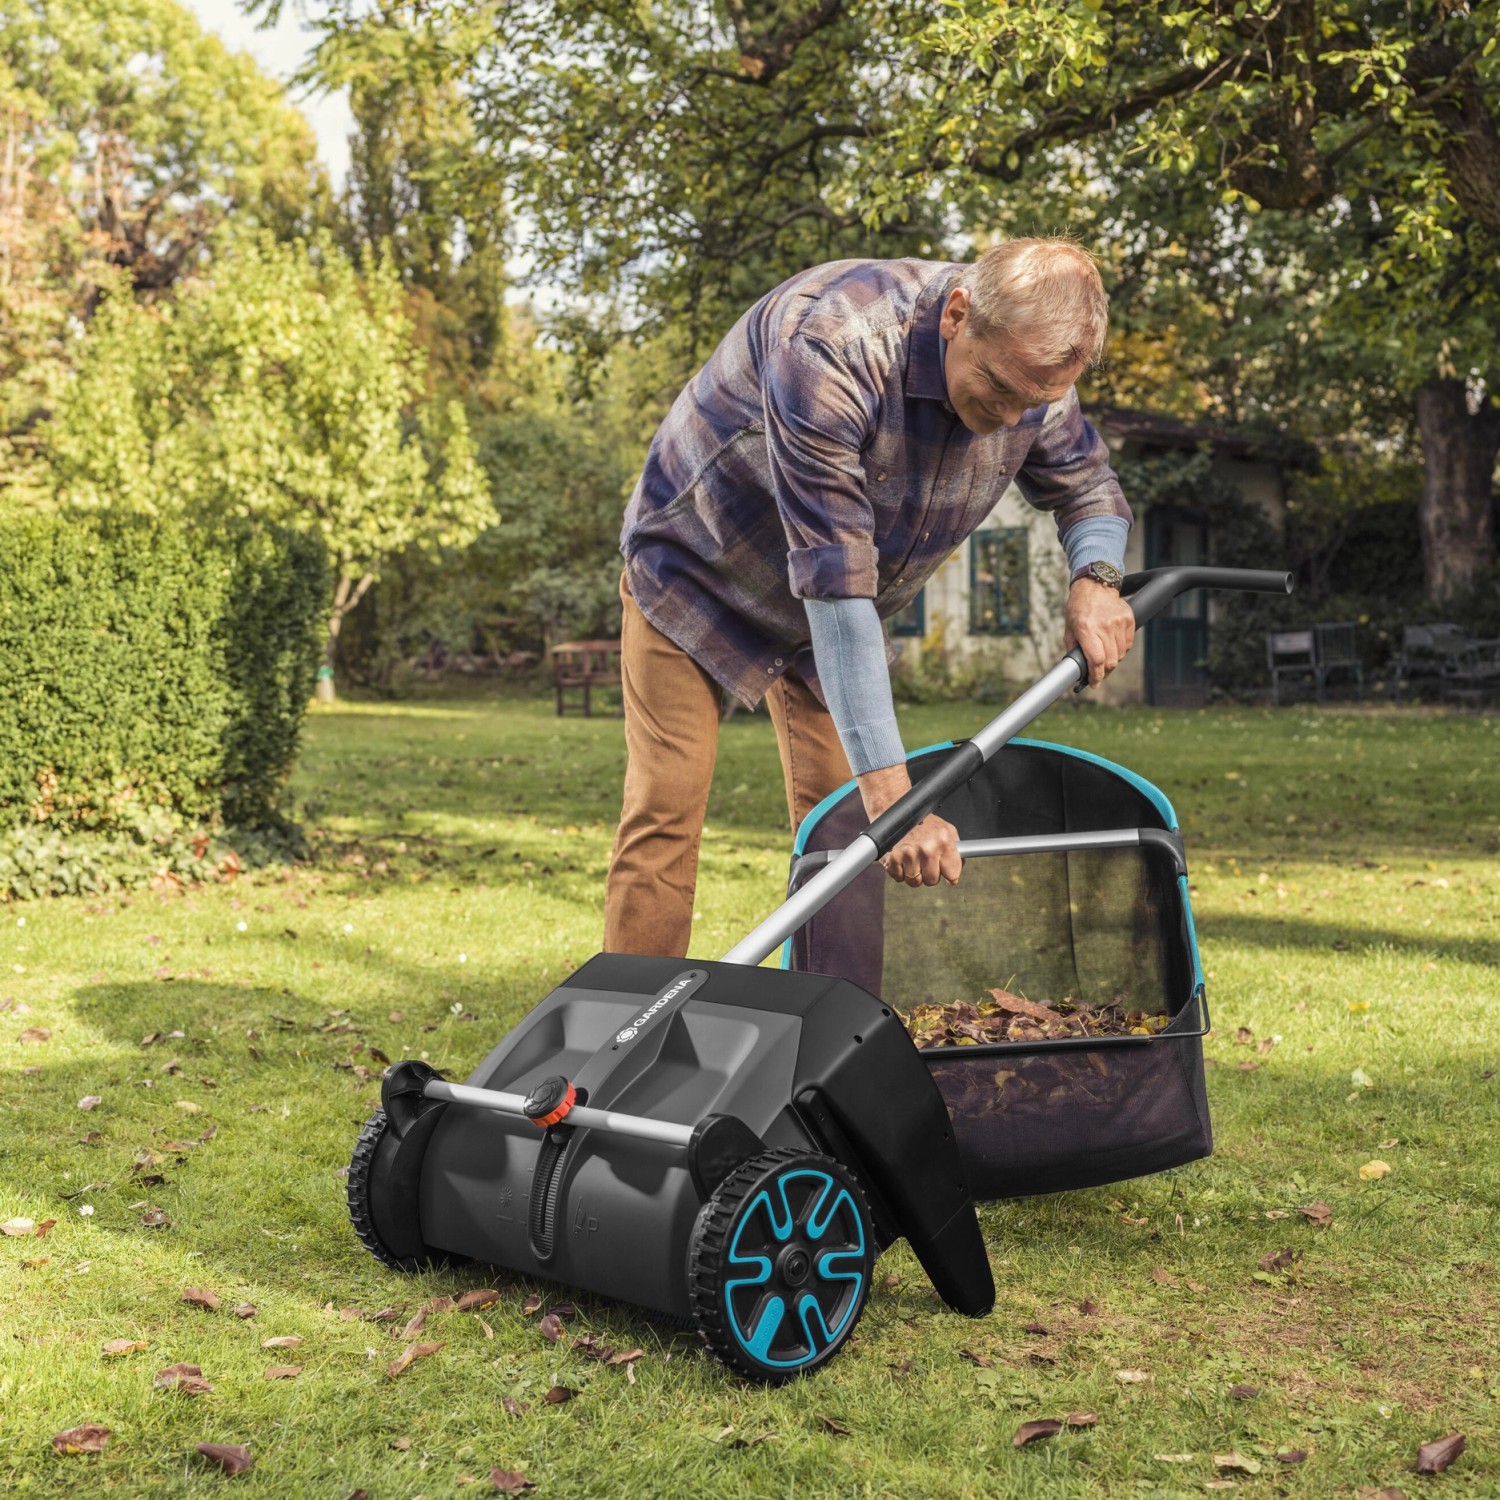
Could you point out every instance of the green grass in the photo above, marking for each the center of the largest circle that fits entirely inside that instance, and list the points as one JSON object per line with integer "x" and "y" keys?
{"x": 1347, "y": 901}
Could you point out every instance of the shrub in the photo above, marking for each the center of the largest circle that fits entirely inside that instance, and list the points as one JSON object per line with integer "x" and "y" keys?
{"x": 157, "y": 678}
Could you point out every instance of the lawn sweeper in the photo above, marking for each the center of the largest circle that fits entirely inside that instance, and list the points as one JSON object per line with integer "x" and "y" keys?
{"x": 733, "y": 1145}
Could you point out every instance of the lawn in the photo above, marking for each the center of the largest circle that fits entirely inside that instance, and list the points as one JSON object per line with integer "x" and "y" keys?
{"x": 1348, "y": 905}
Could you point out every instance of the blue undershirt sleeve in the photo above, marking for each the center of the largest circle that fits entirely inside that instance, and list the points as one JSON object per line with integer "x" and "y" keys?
{"x": 1096, "y": 539}
{"x": 849, "y": 649}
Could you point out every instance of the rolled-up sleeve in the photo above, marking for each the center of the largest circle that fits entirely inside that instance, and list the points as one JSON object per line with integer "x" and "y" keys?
{"x": 818, "y": 418}
{"x": 1067, "y": 470}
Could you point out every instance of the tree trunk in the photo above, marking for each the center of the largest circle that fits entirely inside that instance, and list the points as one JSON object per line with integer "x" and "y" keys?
{"x": 345, "y": 597}
{"x": 1458, "y": 469}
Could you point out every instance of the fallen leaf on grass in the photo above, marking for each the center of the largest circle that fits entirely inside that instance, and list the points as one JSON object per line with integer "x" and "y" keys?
{"x": 558, "y": 1395}
{"x": 385, "y": 1315}
{"x": 1319, "y": 1213}
{"x": 564, "y": 1309}
{"x": 1278, "y": 1260}
{"x": 1434, "y": 1457}
{"x": 1030, "y": 1432}
{"x": 751, "y": 1442}
{"x": 244, "y": 1309}
{"x": 552, "y": 1326}
{"x": 439, "y": 1304}
{"x": 155, "y": 1218}
{"x": 1088, "y": 1307}
{"x": 1238, "y": 1462}
{"x": 116, "y": 1347}
{"x": 401, "y": 1445}
{"x": 471, "y": 1301}
{"x": 1039, "y": 1329}
{"x": 513, "y": 1407}
{"x": 1292, "y": 1456}
{"x": 1373, "y": 1171}
{"x": 1243, "y": 1392}
{"x": 185, "y": 1378}
{"x": 409, "y": 1355}
{"x": 89, "y": 1438}
{"x": 1173, "y": 1458}
{"x": 36, "y": 1034}
{"x": 1080, "y": 1419}
{"x": 189, "y": 1108}
{"x": 828, "y": 1424}
{"x": 201, "y": 1297}
{"x": 532, "y": 1304}
{"x": 1243, "y": 1036}
{"x": 415, "y": 1324}
{"x": 1132, "y": 1377}
{"x": 1218, "y": 1484}
{"x": 352, "y": 1314}
{"x": 976, "y": 1359}
{"x": 281, "y": 1341}
{"x": 18, "y": 1228}
{"x": 281, "y": 1372}
{"x": 1163, "y": 1278}
{"x": 89, "y": 1101}
{"x": 489, "y": 1332}
{"x": 510, "y": 1481}
{"x": 233, "y": 1458}
{"x": 625, "y": 1357}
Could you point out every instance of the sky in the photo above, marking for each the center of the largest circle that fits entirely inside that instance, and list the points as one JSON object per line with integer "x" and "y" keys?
{"x": 280, "y": 50}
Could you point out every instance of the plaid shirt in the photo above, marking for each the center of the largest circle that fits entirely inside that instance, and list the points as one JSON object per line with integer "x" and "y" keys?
{"x": 816, "y": 456}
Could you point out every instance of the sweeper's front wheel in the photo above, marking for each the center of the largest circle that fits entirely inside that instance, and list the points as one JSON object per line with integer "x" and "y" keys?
{"x": 779, "y": 1264}
{"x": 380, "y": 1194}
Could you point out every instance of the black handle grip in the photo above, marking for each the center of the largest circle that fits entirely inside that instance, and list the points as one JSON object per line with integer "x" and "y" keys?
{"x": 1150, "y": 592}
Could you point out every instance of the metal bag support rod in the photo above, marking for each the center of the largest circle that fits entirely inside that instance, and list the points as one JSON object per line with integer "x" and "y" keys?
{"x": 1148, "y": 593}
{"x": 580, "y": 1115}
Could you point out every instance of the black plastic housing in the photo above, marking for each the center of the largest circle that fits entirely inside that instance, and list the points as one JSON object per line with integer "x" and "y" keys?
{"x": 747, "y": 1043}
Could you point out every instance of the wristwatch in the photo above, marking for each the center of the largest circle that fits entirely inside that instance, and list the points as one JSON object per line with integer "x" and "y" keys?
{"x": 1100, "y": 572}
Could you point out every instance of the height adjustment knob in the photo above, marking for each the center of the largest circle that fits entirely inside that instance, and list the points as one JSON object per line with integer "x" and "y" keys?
{"x": 549, "y": 1101}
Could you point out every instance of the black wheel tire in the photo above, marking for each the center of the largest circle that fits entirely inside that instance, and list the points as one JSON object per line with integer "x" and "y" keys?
{"x": 779, "y": 1264}
{"x": 372, "y": 1138}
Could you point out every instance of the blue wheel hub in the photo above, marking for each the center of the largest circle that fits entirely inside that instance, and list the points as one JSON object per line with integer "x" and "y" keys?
{"x": 797, "y": 1257}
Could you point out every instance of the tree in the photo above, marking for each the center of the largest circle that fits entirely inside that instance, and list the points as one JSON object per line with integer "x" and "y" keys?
{"x": 128, "y": 138}
{"x": 285, "y": 385}
{"x": 688, "y": 153}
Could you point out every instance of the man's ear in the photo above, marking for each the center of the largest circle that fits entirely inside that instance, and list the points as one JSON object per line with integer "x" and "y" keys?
{"x": 955, "y": 310}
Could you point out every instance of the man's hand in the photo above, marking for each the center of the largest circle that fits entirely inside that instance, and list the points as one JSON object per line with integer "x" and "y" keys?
{"x": 1100, "y": 621}
{"x": 928, "y": 853}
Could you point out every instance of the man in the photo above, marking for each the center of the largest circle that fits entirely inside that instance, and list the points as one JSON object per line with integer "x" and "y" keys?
{"x": 852, "y": 429}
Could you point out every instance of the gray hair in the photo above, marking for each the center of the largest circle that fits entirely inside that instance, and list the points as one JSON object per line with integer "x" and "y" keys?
{"x": 1045, "y": 290}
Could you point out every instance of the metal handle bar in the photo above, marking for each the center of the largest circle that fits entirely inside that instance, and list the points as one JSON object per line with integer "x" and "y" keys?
{"x": 1149, "y": 593}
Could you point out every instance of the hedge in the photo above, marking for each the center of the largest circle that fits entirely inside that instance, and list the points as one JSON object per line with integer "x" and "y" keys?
{"x": 155, "y": 670}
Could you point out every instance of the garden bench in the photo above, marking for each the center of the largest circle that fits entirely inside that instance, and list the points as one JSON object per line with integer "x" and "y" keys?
{"x": 1432, "y": 652}
{"x": 1292, "y": 653}
{"x": 586, "y": 665}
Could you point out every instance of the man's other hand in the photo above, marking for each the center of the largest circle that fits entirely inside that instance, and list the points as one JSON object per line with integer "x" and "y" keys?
{"x": 1099, "y": 621}
{"x": 928, "y": 853}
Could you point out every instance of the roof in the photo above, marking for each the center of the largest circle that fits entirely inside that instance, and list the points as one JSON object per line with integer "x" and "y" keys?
{"x": 1121, "y": 423}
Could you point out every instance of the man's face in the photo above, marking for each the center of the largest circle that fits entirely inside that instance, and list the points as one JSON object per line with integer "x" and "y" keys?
{"x": 992, "y": 380}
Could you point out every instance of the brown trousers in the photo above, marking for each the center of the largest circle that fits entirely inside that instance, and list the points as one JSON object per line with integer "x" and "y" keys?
{"x": 672, "y": 709}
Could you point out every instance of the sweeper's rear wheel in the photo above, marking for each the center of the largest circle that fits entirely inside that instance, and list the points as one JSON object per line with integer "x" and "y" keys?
{"x": 381, "y": 1194}
{"x": 779, "y": 1264}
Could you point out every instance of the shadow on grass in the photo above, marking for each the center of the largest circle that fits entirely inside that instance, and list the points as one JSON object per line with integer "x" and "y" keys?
{"x": 1347, "y": 941}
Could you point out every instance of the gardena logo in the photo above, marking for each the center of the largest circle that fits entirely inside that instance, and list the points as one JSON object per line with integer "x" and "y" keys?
{"x": 688, "y": 981}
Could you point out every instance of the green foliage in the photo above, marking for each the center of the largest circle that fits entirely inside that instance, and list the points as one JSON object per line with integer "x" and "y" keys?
{"x": 284, "y": 387}
{"x": 158, "y": 674}
{"x": 130, "y": 137}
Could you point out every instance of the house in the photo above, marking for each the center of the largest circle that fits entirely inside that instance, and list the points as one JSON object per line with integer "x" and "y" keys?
{"x": 1003, "y": 592}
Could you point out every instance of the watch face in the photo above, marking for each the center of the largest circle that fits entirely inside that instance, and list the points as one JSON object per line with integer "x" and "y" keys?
{"x": 1107, "y": 573}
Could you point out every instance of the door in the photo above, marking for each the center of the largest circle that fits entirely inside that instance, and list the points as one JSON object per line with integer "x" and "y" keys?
{"x": 1177, "y": 639}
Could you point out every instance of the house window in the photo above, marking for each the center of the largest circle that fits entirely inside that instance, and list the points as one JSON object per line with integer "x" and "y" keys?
{"x": 913, "y": 619}
{"x": 998, "y": 576}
